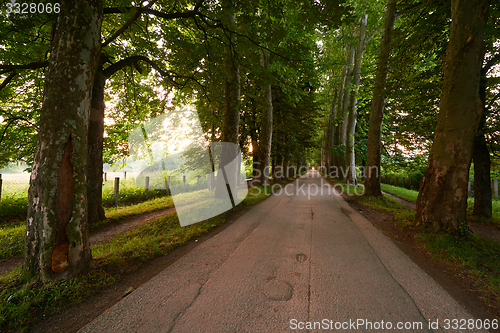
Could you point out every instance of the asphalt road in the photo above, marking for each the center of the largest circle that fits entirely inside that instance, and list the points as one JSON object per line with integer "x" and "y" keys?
{"x": 302, "y": 260}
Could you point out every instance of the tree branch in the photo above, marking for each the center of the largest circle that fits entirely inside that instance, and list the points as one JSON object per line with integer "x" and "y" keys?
{"x": 8, "y": 79}
{"x": 33, "y": 65}
{"x": 367, "y": 40}
{"x": 493, "y": 100}
{"x": 128, "y": 23}
{"x": 147, "y": 9}
{"x": 133, "y": 61}
{"x": 486, "y": 68}
{"x": 10, "y": 121}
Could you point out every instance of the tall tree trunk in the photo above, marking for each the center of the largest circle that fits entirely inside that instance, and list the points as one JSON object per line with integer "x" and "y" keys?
{"x": 345, "y": 104}
{"x": 286, "y": 163}
{"x": 57, "y": 244}
{"x": 482, "y": 179}
{"x": 266, "y": 129}
{"x": 333, "y": 128}
{"x": 442, "y": 199}
{"x": 372, "y": 182}
{"x": 481, "y": 156}
{"x": 255, "y": 155}
{"x": 231, "y": 116}
{"x": 95, "y": 146}
{"x": 338, "y": 118}
{"x": 353, "y": 114}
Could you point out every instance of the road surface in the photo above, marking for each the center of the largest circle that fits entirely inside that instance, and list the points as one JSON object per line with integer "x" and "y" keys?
{"x": 302, "y": 260}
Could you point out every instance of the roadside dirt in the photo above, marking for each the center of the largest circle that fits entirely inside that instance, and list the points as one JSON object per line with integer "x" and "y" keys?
{"x": 77, "y": 315}
{"x": 453, "y": 280}
{"x": 6, "y": 265}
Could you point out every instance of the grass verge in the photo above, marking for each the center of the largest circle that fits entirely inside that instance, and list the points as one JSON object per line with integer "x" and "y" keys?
{"x": 22, "y": 302}
{"x": 475, "y": 259}
{"x": 403, "y": 193}
{"x": 12, "y": 235}
{"x": 411, "y": 195}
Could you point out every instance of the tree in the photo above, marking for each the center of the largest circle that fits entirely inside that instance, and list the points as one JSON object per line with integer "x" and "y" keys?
{"x": 343, "y": 112}
{"x": 352, "y": 118}
{"x": 56, "y": 243}
{"x": 231, "y": 114}
{"x": 266, "y": 132}
{"x": 442, "y": 199}
{"x": 372, "y": 183}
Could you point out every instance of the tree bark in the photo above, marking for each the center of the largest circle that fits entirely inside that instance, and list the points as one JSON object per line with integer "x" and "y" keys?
{"x": 231, "y": 116}
{"x": 338, "y": 116}
{"x": 372, "y": 182}
{"x": 266, "y": 130}
{"x": 333, "y": 128}
{"x": 442, "y": 199}
{"x": 353, "y": 114}
{"x": 255, "y": 157}
{"x": 95, "y": 147}
{"x": 343, "y": 113}
{"x": 56, "y": 243}
{"x": 482, "y": 180}
{"x": 481, "y": 156}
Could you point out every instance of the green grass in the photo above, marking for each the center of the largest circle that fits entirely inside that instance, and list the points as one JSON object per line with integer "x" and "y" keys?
{"x": 400, "y": 192}
{"x": 258, "y": 193}
{"x": 411, "y": 195}
{"x": 129, "y": 193}
{"x": 478, "y": 257}
{"x": 22, "y": 302}
{"x": 12, "y": 241}
{"x": 14, "y": 202}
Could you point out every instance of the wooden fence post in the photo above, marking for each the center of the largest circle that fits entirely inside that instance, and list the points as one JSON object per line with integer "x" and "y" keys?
{"x": 125, "y": 175}
{"x": 495, "y": 187}
{"x": 105, "y": 176}
{"x": 146, "y": 185}
{"x": 117, "y": 189}
{"x": 183, "y": 183}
